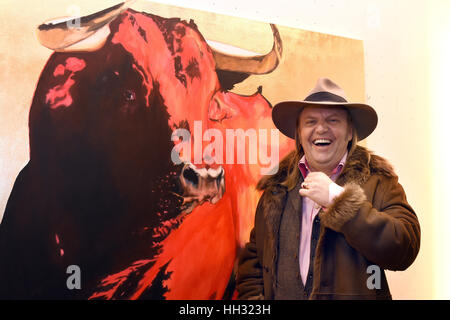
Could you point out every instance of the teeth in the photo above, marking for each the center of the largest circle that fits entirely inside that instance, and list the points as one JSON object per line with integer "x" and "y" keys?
{"x": 316, "y": 142}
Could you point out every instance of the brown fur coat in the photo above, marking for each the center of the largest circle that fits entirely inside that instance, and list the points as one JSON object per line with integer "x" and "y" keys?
{"x": 370, "y": 223}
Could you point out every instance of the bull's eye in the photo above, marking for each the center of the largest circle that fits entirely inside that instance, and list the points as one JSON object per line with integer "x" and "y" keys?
{"x": 129, "y": 95}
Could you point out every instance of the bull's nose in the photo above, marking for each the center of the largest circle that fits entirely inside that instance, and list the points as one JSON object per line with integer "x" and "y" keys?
{"x": 201, "y": 184}
{"x": 191, "y": 176}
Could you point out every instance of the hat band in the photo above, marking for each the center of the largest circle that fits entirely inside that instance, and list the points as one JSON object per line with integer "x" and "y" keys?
{"x": 324, "y": 96}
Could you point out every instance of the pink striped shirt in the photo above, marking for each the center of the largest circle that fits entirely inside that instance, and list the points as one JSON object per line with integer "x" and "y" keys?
{"x": 309, "y": 212}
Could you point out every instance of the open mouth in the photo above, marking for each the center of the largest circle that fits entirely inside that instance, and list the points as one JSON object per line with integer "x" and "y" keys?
{"x": 322, "y": 142}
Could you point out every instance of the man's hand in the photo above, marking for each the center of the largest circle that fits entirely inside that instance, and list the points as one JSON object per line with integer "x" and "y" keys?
{"x": 316, "y": 187}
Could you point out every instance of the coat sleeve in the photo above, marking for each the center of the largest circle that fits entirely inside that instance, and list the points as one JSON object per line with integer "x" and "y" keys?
{"x": 249, "y": 279}
{"x": 387, "y": 234}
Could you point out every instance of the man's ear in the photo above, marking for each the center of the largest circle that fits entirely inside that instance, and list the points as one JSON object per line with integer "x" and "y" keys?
{"x": 350, "y": 133}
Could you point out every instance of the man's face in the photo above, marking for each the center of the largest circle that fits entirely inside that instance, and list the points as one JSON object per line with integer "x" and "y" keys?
{"x": 324, "y": 135}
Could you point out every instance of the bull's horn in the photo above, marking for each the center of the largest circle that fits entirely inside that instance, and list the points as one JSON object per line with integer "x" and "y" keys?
{"x": 59, "y": 34}
{"x": 257, "y": 64}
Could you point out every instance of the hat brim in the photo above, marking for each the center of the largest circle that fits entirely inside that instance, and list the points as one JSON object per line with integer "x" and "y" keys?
{"x": 285, "y": 115}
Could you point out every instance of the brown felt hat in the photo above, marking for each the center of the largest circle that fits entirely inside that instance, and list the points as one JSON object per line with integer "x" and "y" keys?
{"x": 325, "y": 94}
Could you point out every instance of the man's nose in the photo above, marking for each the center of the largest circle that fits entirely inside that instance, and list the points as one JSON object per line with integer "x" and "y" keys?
{"x": 321, "y": 127}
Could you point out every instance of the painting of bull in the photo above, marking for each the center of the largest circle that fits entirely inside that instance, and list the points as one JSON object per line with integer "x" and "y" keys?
{"x": 101, "y": 192}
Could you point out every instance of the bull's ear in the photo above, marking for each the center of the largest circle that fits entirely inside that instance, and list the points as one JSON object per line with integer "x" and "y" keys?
{"x": 81, "y": 33}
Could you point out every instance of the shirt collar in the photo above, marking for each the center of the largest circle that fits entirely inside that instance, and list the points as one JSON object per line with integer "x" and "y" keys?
{"x": 304, "y": 167}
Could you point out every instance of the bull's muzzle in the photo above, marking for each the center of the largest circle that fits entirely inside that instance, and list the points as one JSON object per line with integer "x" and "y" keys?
{"x": 200, "y": 185}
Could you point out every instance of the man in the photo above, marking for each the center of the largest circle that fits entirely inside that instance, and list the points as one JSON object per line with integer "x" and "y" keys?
{"x": 334, "y": 215}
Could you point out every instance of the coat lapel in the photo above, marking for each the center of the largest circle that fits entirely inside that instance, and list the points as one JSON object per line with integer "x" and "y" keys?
{"x": 295, "y": 199}
{"x": 274, "y": 205}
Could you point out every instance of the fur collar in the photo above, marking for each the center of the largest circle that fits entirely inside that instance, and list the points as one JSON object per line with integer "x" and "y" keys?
{"x": 360, "y": 165}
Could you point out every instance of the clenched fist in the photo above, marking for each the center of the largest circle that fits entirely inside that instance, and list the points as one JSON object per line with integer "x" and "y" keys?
{"x": 316, "y": 187}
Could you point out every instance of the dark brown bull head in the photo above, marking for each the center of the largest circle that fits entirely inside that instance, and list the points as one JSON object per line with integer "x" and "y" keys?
{"x": 90, "y": 32}
{"x": 101, "y": 190}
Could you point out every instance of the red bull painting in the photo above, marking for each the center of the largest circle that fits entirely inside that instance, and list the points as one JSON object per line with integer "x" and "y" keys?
{"x": 133, "y": 136}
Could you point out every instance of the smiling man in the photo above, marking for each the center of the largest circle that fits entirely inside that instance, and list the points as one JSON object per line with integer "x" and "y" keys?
{"x": 334, "y": 216}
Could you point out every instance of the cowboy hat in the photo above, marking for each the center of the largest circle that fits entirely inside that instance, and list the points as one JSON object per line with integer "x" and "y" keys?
{"x": 325, "y": 94}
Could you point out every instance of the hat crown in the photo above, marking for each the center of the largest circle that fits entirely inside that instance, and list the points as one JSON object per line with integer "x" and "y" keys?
{"x": 328, "y": 86}
{"x": 325, "y": 94}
